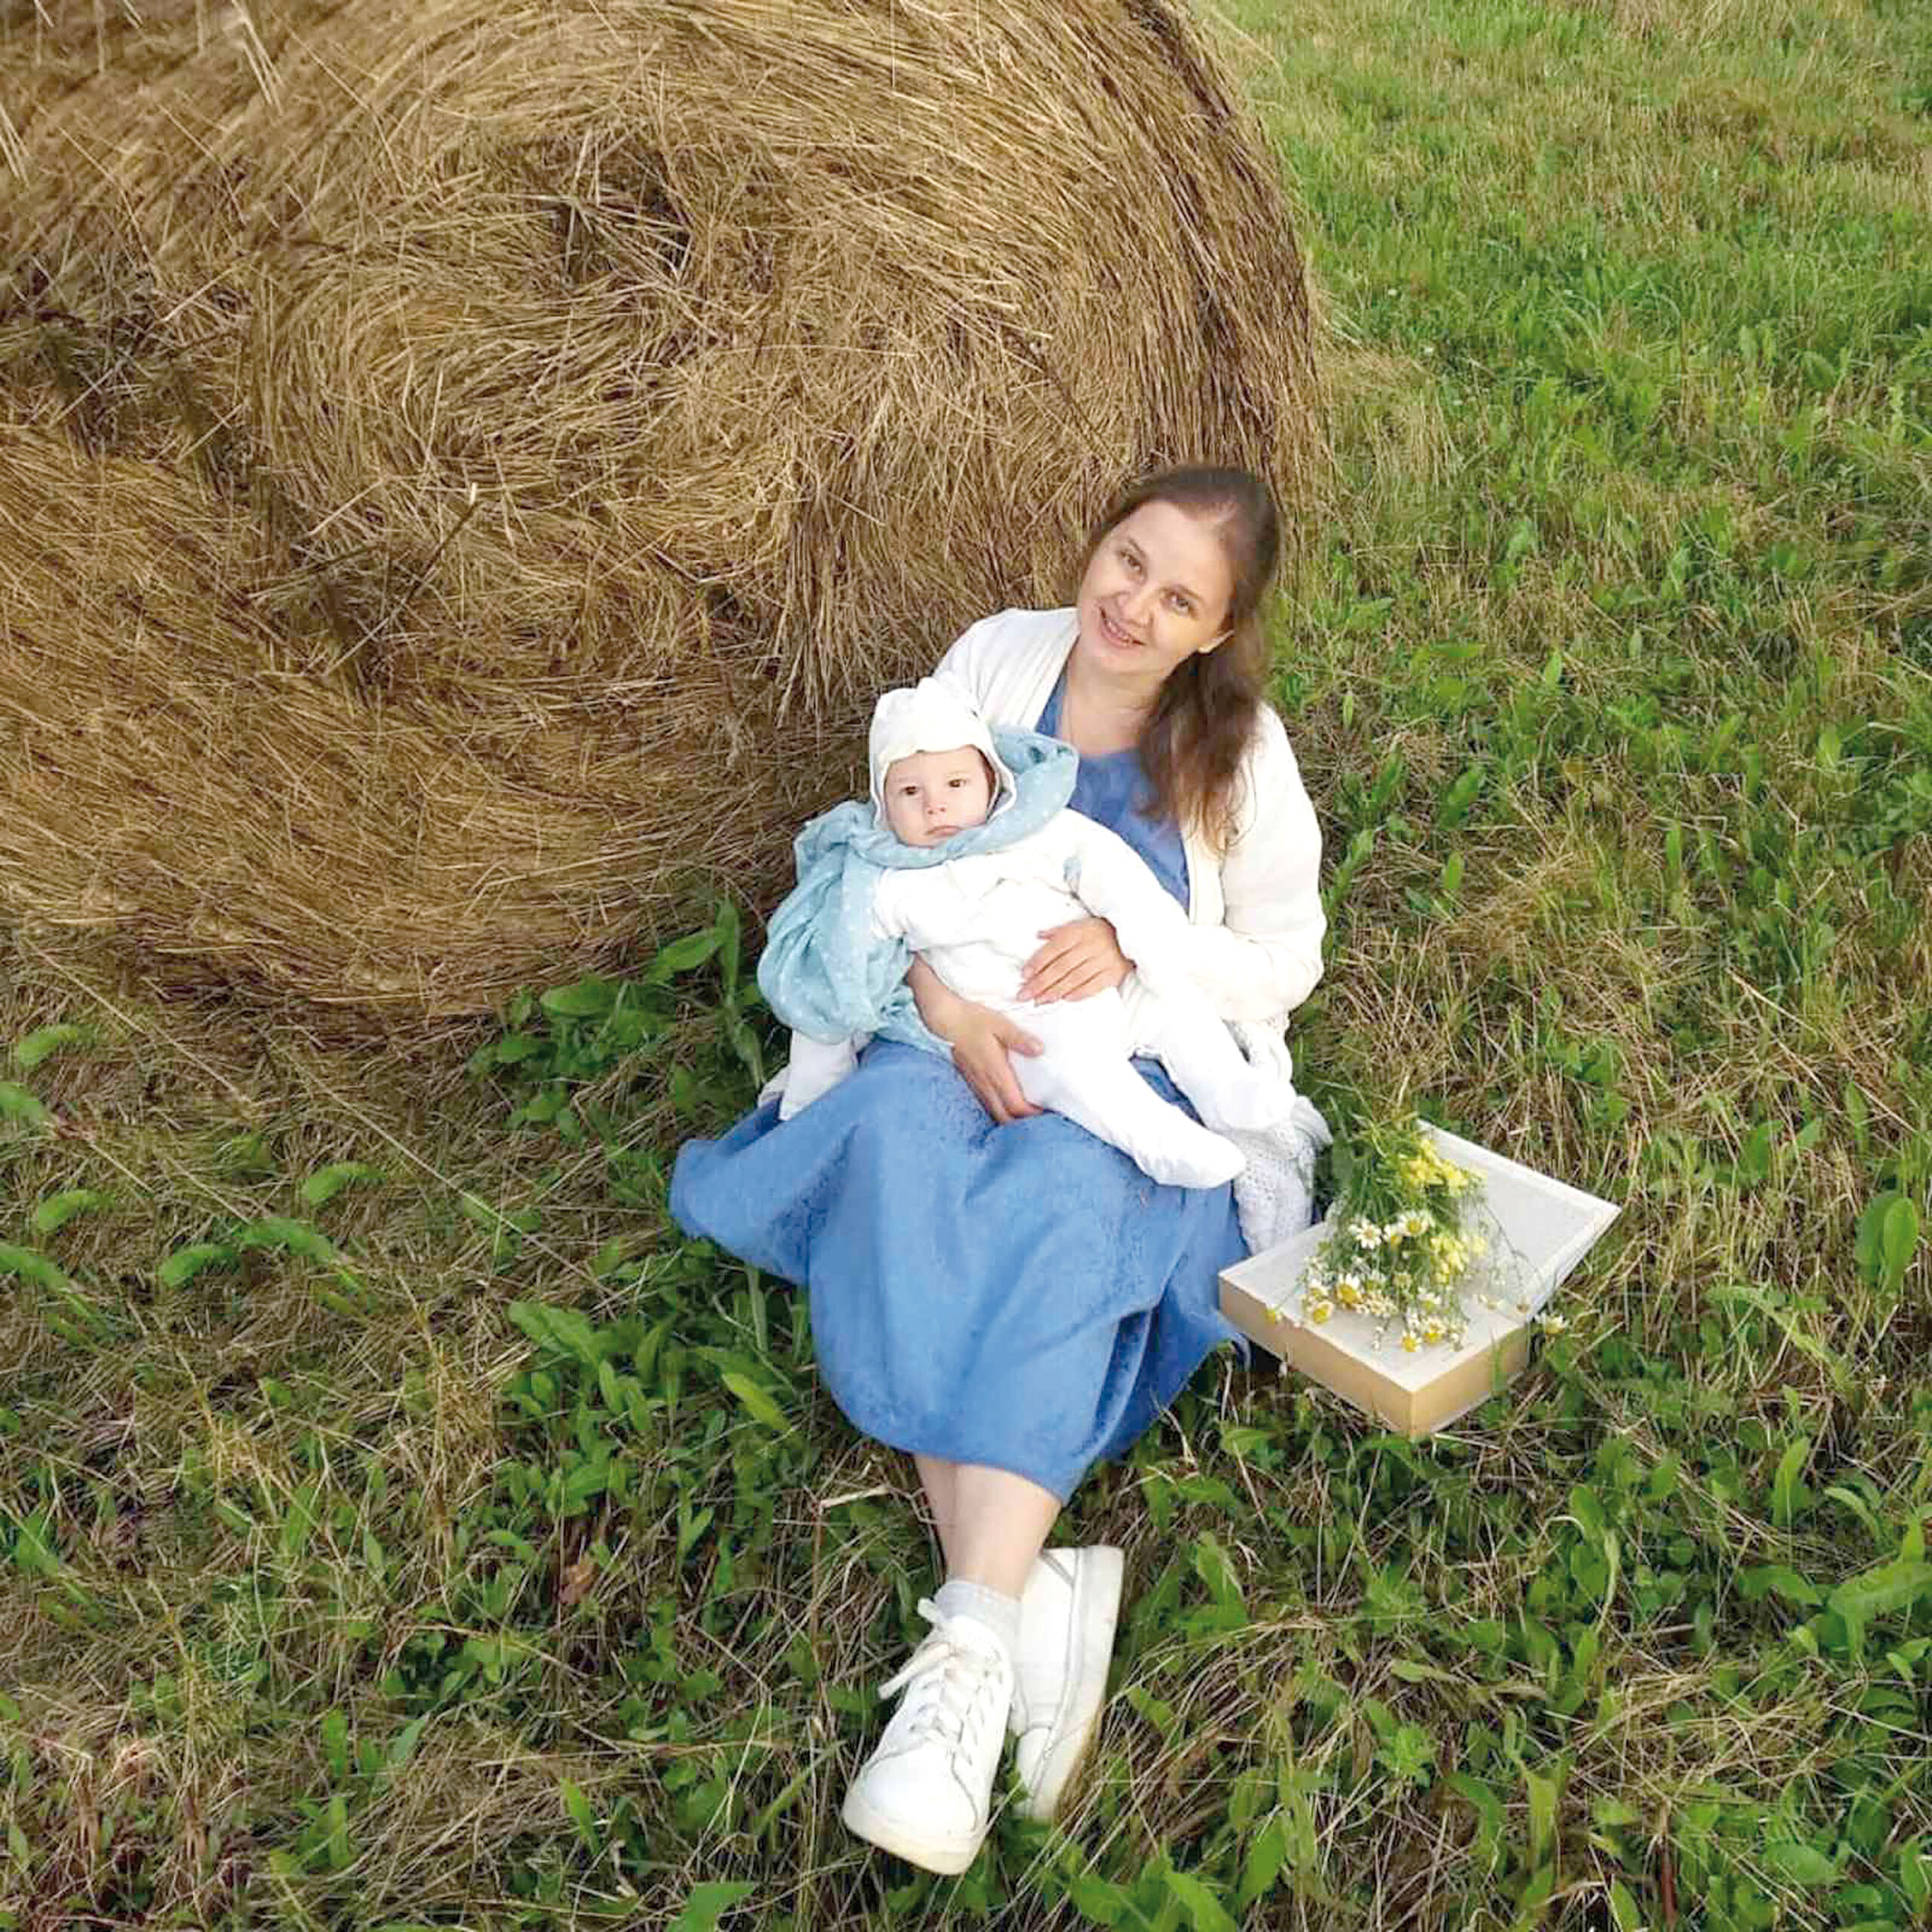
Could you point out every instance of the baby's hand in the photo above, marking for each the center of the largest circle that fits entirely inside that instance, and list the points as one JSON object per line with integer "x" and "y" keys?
{"x": 1079, "y": 960}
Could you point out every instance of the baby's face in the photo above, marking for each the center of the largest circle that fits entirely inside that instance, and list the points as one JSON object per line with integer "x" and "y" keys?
{"x": 932, "y": 794}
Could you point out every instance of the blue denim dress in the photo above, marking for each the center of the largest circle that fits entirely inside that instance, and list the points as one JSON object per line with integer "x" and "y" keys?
{"x": 1023, "y": 1296}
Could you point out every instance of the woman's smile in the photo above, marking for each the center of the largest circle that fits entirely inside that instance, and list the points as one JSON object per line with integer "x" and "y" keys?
{"x": 1155, "y": 592}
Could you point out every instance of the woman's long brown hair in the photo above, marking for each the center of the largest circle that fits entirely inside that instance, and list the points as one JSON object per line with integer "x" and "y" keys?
{"x": 1192, "y": 747}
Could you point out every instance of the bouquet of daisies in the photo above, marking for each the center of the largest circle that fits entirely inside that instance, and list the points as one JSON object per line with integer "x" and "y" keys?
{"x": 1405, "y": 1236}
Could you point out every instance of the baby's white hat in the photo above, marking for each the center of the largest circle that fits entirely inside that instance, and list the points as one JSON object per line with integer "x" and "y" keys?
{"x": 937, "y": 714}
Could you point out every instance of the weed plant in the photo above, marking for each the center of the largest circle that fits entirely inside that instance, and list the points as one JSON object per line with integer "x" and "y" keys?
{"x": 400, "y": 1526}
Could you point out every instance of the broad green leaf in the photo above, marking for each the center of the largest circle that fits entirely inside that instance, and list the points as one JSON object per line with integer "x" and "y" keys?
{"x": 1754, "y": 1158}
{"x": 17, "y": 1103}
{"x": 589, "y": 999}
{"x": 1887, "y": 1234}
{"x": 1898, "y": 1236}
{"x": 563, "y": 1329}
{"x": 185, "y": 1263}
{"x": 756, "y": 1400}
{"x": 1878, "y": 1591}
{"x": 1460, "y": 795}
{"x": 1542, "y": 1793}
{"x": 285, "y": 1232}
{"x": 402, "y": 1746}
{"x": 585, "y": 1483}
{"x": 32, "y": 1048}
{"x": 338, "y": 1837}
{"x": 1788, "y": 1492}
{"x": 57, "y": 1210}
{"x": 1915, "y": 1871}
{"x": 1158, "y": 1712}
{"x": 29, "y": 1265}
{"x": 1267, "y": 1852}
{"x": 34, "y": 1548}
{"x": 298, "y": 1523}
{"x": 583, "y": 1817}
{"x": 681, "y": 955}
{"x": 1412, "y": 1672}
{"x": 1860, "y": 1507}
{"x": 1099, "y": 1900}
{"x": 1587, "y": 1511}
{"x": 1780, "y": 1579}
{"x": 1488, "y": 1805}
{"x": 335, "y": 1744}
{"x": 325, "y": 1183}
{"x": 1799, "y": 1864}
{"x": 1204, "y": 1911}
{"x": 709, "y": 1902}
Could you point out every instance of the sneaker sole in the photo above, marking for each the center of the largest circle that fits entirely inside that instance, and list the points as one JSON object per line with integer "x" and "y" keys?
{"x": 947, "y": 1857}
{"x": 1096, "y": 1611}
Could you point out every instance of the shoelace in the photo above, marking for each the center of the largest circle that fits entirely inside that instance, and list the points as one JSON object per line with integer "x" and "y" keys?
{"x": 946, "y": 1682}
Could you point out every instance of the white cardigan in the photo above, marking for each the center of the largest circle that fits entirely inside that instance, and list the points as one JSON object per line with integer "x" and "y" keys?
{"x": 1256, "y": 909}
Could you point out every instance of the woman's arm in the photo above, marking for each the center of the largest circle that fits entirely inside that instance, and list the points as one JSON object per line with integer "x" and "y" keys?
{"x": 981, "y": 1041}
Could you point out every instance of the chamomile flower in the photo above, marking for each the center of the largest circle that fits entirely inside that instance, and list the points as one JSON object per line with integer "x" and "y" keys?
{"x": 1400, "y": 1244}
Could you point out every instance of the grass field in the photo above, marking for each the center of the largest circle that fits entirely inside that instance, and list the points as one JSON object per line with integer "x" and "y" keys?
{"x": 399, "y": 1528}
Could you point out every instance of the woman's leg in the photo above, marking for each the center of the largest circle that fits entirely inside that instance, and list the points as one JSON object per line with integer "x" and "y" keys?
{"x": 926, "y": 1791}
{"x": 992, "y": 1522}
{"x": 1070, "y": 1600}
{"x": 936, "y": 1479}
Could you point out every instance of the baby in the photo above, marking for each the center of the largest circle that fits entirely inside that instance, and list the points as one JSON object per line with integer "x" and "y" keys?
{"x": 967, "y": 856}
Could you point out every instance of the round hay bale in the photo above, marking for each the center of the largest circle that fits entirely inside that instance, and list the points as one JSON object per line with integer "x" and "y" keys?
{"x": 623, "y": 389}
{"x": 169, "y": 775}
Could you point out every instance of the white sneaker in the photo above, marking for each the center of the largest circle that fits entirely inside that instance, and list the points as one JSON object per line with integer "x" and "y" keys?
{"x": 1067, "y": 1615}
{"x": 926, "y": 1791}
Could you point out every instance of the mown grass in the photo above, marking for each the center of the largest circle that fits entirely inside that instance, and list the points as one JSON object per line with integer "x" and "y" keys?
{"x": 449, "y": 1545}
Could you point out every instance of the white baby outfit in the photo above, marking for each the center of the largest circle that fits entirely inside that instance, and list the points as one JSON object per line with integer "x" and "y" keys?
{"x": 1254, "y": 906}
{"x": 977, "y": 919}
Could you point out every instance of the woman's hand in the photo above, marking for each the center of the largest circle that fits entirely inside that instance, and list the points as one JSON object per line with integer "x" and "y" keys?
{"x": 981, "y": 1041}
{"x": 1079, "y": 959}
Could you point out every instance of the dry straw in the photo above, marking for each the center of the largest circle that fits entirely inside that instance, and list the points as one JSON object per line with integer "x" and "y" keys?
{"x": 559, "y": 420}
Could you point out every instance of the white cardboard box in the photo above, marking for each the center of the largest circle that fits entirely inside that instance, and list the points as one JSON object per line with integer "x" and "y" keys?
{"x": 1542, "y": 1229}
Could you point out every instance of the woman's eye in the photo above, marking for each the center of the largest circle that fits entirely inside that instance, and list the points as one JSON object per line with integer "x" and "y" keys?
{"x": 1180, "y": 606}
{"x": 1132, "y": 562}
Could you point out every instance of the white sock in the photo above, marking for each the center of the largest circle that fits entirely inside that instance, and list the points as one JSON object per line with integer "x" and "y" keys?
{"x": 1000, "y": 1614}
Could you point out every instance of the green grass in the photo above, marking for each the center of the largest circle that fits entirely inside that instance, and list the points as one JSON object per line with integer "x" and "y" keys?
{"x": 447, "y": 1545}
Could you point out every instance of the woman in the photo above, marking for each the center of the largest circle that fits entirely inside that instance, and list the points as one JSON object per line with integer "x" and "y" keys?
{"x": 993, "y": 1289}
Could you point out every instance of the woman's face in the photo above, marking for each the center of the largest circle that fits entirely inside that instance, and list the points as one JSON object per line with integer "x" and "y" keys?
{"x": 1156, "y": 592}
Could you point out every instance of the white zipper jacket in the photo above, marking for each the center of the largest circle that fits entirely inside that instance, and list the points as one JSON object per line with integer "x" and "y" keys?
{"x": 1255, "y": 910}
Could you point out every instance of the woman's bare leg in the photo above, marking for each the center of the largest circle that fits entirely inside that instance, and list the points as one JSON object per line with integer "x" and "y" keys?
{"x": 936, "y": 1477}
{"x": 992, "y": 1522}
